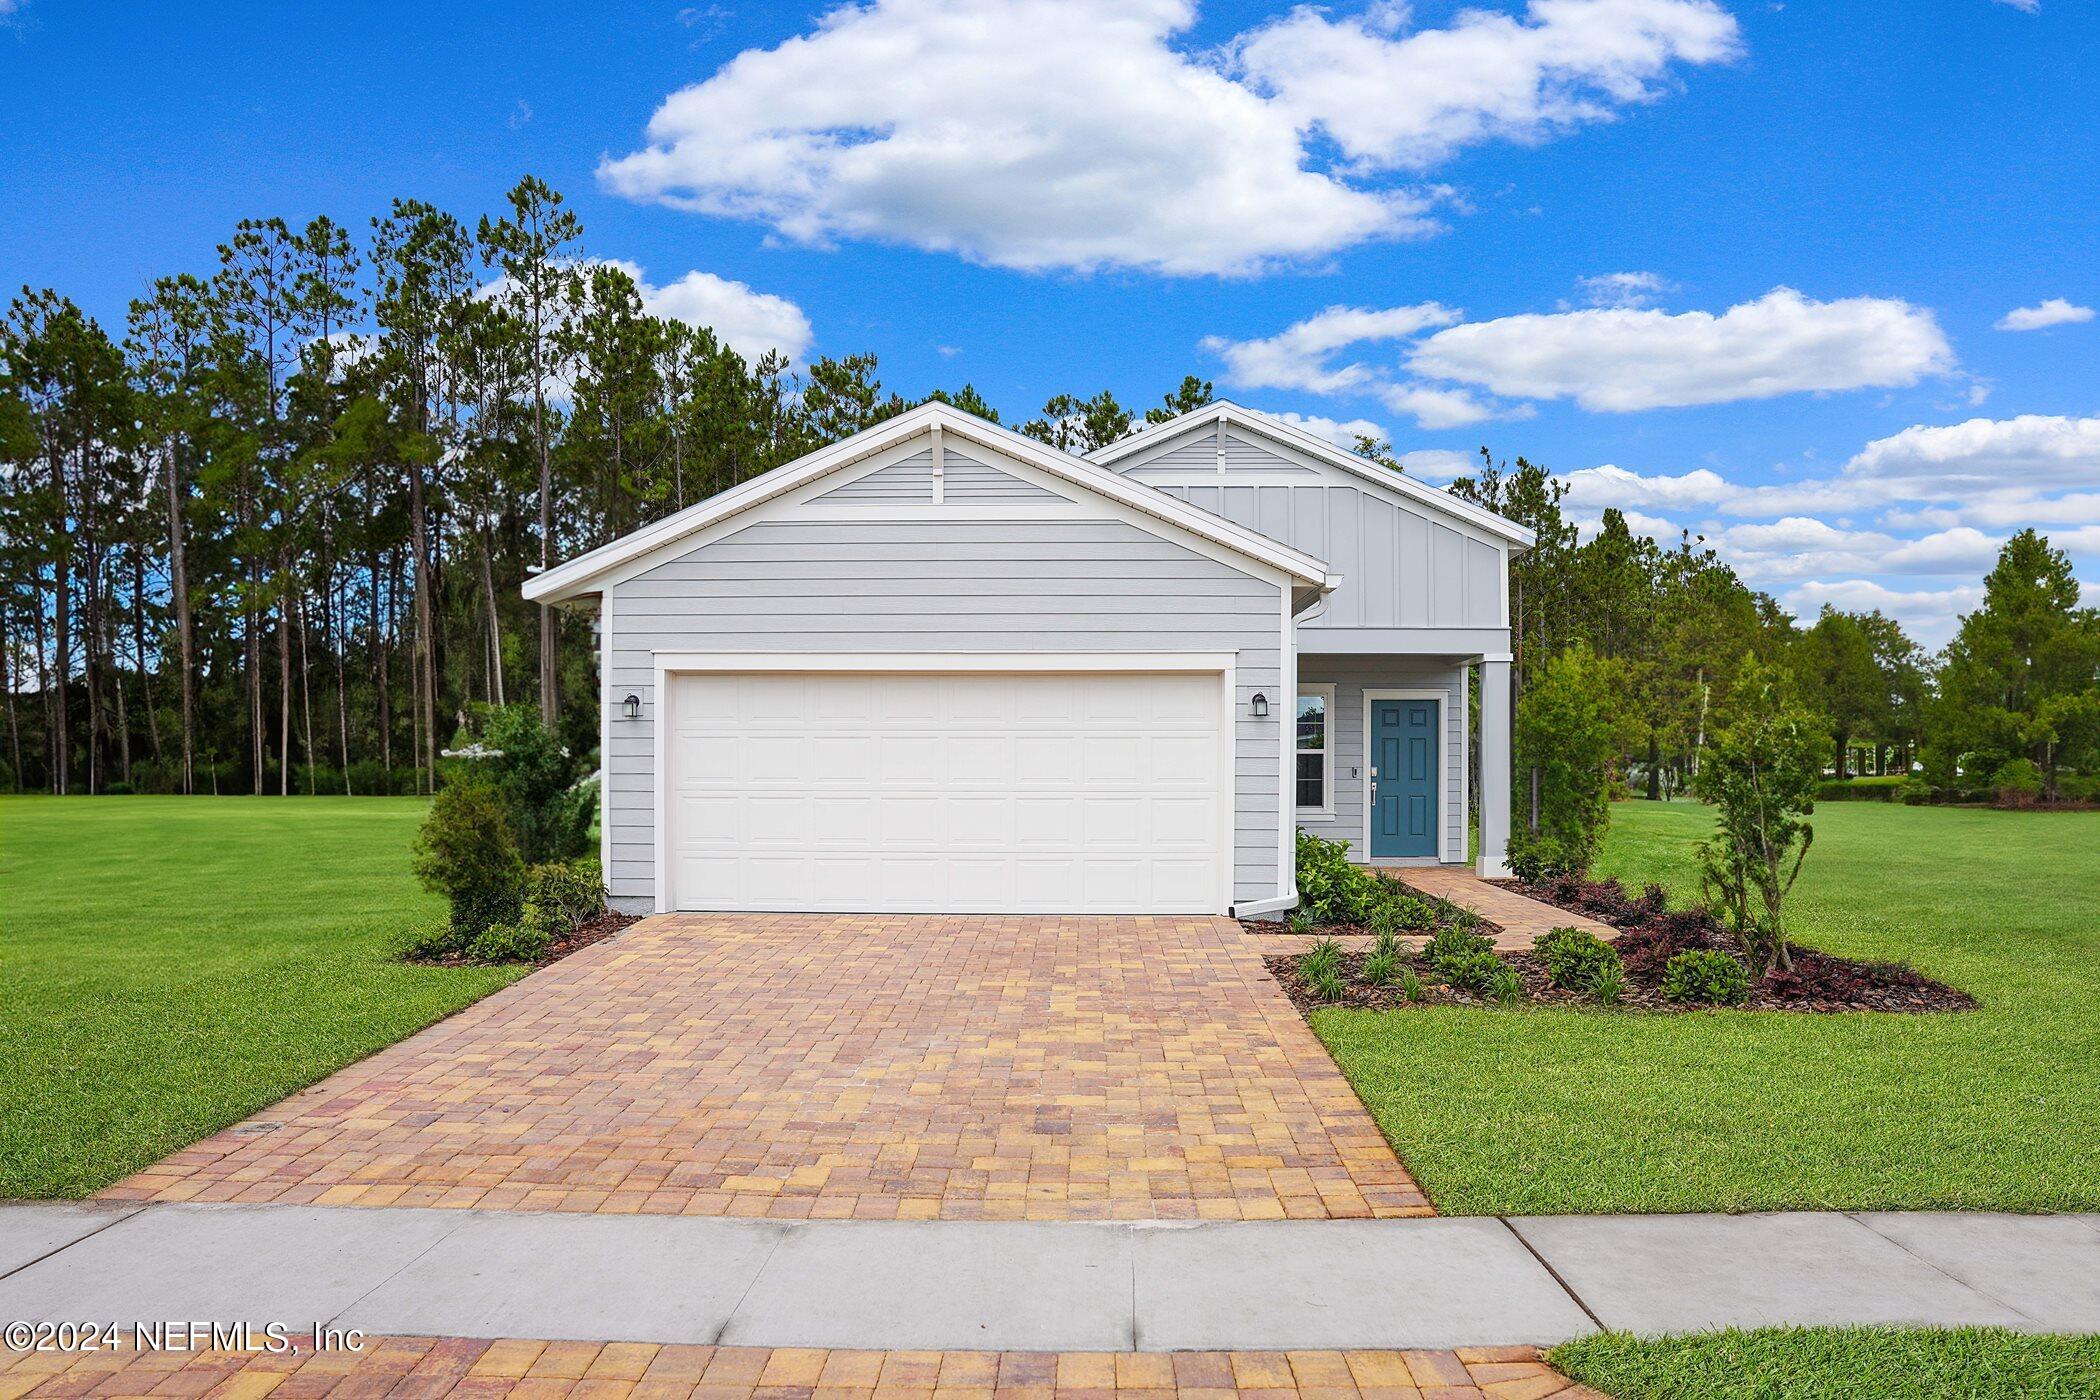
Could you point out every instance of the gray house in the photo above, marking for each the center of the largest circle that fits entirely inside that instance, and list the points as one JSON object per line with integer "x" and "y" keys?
{"x": 940, "y": 667}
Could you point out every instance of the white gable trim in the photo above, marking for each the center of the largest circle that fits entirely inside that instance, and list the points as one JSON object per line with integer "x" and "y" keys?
{"x": 1217, "y": 415}
{"x": 590, "y": 573}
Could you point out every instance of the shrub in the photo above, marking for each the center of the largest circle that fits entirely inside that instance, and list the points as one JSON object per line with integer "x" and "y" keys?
{"x": 2074, "y": 787}
{"x": 1378, "y": 969}
{"x": 1577, "y": 960}
{"x": 1706, "y": 976}
{"x": 368, "y": 778}
{"x": 2018, "y": 783}
{"x": 1473, "y": 971}
{"x": 1568, "y": 731}
{"x": 1330, "y": 889}
{"x": 508, "y": 943}
{"x": 466, "y": 852}
{"x": 537, "y": 779}
{"x": 441, "y": 941}
{"x": 1535, "y": 857}
{"x": 559, "y": 895}
{"x": 119, "y": 788}
{"x": 1457, "y": 940}
{"x": 1914, "y": 792}
{"x": 1761, "y": 776}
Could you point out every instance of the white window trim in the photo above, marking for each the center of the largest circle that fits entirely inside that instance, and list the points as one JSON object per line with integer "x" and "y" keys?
{"x": 1448, "y": 753}
{"x": 1325, "y": 811}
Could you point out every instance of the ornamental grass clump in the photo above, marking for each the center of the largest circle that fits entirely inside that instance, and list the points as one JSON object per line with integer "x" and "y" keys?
{"x": 1378, "y": 969}
{"x": 1706, "y": 977}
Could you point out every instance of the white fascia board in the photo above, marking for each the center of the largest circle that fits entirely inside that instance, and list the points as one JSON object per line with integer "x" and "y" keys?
{"x": 581, "y": 574}
{"x": 1404, "y": 487}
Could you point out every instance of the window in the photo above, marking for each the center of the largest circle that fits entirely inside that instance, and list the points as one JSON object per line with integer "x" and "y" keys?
{"x": 1314, "y": 754}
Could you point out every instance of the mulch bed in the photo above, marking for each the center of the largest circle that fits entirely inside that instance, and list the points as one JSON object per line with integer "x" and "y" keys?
{"x": 1650, "y": 934}
{"x": 575, "y": 940}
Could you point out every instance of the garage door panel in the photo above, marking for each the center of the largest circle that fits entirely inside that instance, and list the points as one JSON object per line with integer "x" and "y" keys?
{"x": 945, "y": 792}
{"x": 984, "y": 759}
{"x": 1046, "y": 757}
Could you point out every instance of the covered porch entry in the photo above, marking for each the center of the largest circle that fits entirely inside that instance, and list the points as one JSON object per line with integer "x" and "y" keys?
{"x": 1391, "y": 751}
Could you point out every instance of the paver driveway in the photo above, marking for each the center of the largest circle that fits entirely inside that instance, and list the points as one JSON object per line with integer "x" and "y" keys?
{"x": 843, "y": 1066}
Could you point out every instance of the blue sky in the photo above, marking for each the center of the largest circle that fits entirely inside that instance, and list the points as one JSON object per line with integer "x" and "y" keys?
{"x": 1038, "y": 197}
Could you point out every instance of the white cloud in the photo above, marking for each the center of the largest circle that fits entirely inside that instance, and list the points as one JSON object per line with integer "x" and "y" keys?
{"x": 1342, "y": 433}
{"x": 748, "y": 322}
{"x": 2054, "y": 312}
{"x": 1941, "y": 500}
{"x": 1618, "y": 359}
{"x": 2031, "y": 7}
{"x": 1928, "y": 614}
{"x": 1435, "y": 407}
{"x": 2032, "y": 452}
{"x": 1083, "y": 134}
{"x": 1439, "y": 463}
{"x": 1301, "y": 355}
{"x": 1623, "y": 289}
{"x": 1410, "y": 100}
{"x": 1623, "y": 360}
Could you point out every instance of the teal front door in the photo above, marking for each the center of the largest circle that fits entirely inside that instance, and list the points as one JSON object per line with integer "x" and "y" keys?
{"x": 1403, "y": 782}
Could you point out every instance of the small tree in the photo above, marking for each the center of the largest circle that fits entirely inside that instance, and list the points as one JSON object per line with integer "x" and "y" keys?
{"x": 536, "y": 778}
{"x": 1761, "y": 774}
{"x": 465, "y": 852}
{"x": 1568, "y": 732}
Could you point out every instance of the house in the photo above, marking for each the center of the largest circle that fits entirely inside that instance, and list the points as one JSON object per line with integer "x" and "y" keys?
{"x": 941, "y": 667}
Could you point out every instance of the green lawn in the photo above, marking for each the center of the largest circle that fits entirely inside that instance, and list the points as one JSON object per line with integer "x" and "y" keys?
{"x": 1838, "y": 1363}
{"x": 170, "y": 965}
{"x": 1541, "y": 1111}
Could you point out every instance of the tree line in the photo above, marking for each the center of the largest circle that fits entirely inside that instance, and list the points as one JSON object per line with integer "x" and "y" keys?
{"x": 1673, "y": 627}
{"x": 268, "y": 535}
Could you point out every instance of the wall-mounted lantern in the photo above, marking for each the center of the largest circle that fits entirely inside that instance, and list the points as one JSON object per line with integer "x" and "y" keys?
{"x": 1261, "y": 705}
{"x": 633, "y": 705}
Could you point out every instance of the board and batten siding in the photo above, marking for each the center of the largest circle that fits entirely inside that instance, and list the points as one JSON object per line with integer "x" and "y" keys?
{"x": 1351, "y": 676}
{"x": 869, "y": 586}
{"x": 1400, "y": 566}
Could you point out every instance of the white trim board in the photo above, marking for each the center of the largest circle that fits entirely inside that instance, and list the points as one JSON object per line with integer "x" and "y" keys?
{"x": 1443, "y": 777}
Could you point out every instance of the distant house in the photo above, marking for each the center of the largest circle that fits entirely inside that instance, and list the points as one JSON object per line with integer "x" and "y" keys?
{"x": 941, "y": 667}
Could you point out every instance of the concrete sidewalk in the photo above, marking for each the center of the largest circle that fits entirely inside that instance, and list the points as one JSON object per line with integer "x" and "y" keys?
{"x": 951, "y": 1285}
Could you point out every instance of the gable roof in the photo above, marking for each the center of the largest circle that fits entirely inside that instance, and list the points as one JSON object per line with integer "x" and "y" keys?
{"x": 584, "y": 574}
{"x": 1392, "y": 483}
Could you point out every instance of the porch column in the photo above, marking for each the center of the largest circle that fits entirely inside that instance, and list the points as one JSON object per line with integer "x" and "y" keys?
{"x": 1494, "y": 765}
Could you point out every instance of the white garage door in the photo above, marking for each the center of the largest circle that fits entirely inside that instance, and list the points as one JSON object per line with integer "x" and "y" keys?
{"x": 962, "y": 793}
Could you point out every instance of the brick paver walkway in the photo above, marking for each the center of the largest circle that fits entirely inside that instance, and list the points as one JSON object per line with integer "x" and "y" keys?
{"x": 843, "y": 1066}
{"x": 427, "y": 1368}
{"x": 1521, "y": 917}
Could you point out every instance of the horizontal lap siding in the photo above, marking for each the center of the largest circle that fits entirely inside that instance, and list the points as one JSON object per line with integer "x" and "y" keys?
{"x": 1351, "y": 676}
{"x": 898, "y": 586}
